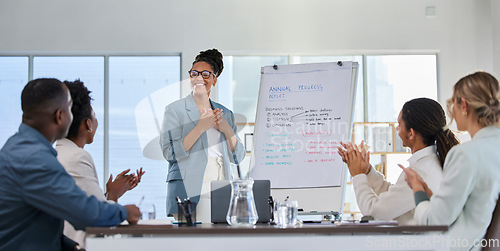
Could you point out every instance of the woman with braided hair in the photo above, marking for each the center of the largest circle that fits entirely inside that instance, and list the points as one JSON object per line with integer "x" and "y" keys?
{"x": 199, "y": 138}
{"x": 421, "y": 127}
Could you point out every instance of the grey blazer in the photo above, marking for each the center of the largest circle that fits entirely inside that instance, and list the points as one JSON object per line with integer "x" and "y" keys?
{"x": 186, "y": 168}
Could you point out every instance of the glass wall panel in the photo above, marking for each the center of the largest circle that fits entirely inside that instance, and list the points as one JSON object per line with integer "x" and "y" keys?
{"x": 13, "y": 78}
{"x": 395, "y": 79}
{"x": 139, "y": 90}
{"x": 90, "y": 70}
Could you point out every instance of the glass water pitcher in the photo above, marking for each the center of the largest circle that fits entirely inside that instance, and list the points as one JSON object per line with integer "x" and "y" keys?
{"x": 242, "y": 211}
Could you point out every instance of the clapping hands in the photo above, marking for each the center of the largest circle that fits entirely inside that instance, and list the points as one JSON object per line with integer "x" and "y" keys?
{"x": 137, "y": 179}
{"x": 123, "y": 182}
{"x": 357, "y": 159}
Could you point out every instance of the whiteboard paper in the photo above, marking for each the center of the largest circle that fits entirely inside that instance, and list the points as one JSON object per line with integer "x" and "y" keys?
{"x": 303, "y": 112}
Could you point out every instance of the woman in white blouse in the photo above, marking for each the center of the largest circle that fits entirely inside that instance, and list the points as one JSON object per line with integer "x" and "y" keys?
{"x": 421, "y": 122}
{"x": 470, "y": 187}
{"x": 78, "y": 162}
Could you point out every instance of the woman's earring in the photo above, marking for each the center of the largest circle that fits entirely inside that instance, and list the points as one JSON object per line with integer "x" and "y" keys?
{"x": 464, "y": 113}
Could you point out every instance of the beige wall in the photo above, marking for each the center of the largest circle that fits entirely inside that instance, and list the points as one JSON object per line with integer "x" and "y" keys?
{"x": 465, "y": 33}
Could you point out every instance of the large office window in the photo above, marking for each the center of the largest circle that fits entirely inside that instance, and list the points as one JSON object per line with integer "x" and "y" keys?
{"x": 394, "y": 79}
{"x": 13, "y": 78}
{"x": 89, "y": 70}
{"x": 139, "y": 88}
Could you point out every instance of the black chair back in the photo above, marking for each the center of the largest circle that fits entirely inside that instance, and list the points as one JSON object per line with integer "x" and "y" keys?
{"x": 493, "y": 232}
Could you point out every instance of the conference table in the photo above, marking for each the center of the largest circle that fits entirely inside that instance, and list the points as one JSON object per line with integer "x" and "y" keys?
{"x": 316, "y": 236}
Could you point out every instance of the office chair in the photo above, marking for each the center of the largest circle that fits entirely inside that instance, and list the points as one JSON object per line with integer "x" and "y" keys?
{"x": 493, "y": 232}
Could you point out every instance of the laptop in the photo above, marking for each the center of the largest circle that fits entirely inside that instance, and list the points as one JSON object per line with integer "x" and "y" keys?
{"x": 221, "y": 195}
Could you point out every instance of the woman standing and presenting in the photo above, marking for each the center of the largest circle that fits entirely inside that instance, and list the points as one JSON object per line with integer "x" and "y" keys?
{"x": 78, "y": 162}
{"x": 421, "y": 123}
{"x": 199, "y": 138}
{"x": 470, "y": 187}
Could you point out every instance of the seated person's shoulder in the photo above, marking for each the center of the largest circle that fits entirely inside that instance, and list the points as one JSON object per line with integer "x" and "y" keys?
{"x": 21, "y": 153}
{"x": 71, "y": 158}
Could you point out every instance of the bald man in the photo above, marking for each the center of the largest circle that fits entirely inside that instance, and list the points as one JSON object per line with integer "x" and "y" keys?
{"x": 36, "y": 193}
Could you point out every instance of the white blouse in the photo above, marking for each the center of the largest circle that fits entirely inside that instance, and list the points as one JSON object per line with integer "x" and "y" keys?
{"x": 214, "y": 142}
{"x": 382, "y": 200}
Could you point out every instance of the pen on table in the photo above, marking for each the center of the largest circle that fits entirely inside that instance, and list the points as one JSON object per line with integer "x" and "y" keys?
{"x": 138, "y": 204}
{"x": 187, "y": 202}
{"x": 184, "y": 207}
{"x": 271, "y": 207}
{"x": 239, "y": 171}
{"x": 187, "y": 205}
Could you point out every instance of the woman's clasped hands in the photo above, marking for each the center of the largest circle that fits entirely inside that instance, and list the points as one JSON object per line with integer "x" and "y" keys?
{"x": 207, "y": 120}
{"x": 213, "y": 118}
{"x": 220, "y": 122}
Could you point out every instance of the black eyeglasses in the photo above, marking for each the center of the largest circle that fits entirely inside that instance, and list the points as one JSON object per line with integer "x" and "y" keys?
{"x": 204, "y": 74}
